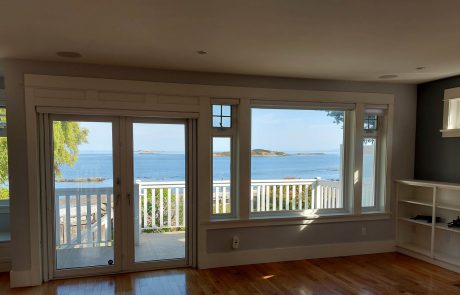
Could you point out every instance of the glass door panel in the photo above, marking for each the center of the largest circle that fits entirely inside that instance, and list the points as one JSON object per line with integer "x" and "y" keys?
{"x": 159, "y": 170}
{"x": 83, "y": 179}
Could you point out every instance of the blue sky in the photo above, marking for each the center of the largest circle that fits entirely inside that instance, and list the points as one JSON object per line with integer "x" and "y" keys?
{"x": 272, "y": 129}
{"x": 291, "y": 130}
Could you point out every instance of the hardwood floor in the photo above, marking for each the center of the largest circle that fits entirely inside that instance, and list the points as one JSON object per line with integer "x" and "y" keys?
{"x": 389, "y": 273}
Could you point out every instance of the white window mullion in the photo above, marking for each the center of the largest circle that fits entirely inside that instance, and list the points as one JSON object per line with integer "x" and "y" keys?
{"x": 358, "y": 157}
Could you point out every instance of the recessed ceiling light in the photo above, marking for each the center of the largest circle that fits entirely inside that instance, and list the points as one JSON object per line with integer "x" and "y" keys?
{"x": 68, "y": 54}
{"x": 420, "y": 68}
{"x": 388, "y": 76}
{"x": 202, "y": 52}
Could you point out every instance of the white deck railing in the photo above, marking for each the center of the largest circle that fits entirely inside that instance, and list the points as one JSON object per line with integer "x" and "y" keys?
{"x": 84, "y": 216}
{"x": 294, "y": 195}
{"x": 160, "y": 206}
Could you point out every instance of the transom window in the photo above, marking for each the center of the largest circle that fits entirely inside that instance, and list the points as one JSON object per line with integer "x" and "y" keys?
{"x": 370, "y": 122}
{"x": 221, "y": 116}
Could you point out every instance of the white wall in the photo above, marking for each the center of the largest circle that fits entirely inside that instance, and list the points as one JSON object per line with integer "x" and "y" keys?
{"x": 217, "y": 240}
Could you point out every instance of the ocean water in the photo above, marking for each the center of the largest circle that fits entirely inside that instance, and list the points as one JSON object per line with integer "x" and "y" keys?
{"x": 171, "y": 167}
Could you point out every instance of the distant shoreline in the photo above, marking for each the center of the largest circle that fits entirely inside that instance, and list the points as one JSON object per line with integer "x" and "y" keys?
{"x": 268, "y": 153}
{"x": 85, "y": 179}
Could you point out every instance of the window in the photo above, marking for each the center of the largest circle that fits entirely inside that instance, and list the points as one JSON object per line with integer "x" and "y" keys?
{"x": 297, "y": 160}
{"x": 221, "y": 116}
{"x": 4, "y": 191}
{"x": 371, "y": 142}
{"x": 451, "y": 117}
{"x": 223, "y": 160}
{"x": 221, "y": 174}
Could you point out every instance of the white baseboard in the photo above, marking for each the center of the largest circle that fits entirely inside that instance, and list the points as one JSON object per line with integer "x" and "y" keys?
{"x": 243, "y": 257}
{"x": 5, "y": 258}
{"x": 24, "y": 278}
{"x": 439, "y": 263}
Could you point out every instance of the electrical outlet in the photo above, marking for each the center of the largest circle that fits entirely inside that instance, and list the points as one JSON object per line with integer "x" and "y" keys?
{"x": 235, "y": 242}
{"x": 363, "y": 230}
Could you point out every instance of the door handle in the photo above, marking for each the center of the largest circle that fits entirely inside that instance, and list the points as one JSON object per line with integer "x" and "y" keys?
{"x": 128, "y": 195}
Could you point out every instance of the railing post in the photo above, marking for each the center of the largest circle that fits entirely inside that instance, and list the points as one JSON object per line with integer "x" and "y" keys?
{"x": 263, "y": 198}
{"x": 154, "y": 207}
{"x": 252, "y": 209}
{"x": 267, "y": 198}
{"x": 177, "y": 206}
{"x": 169, "y": 207}
{"x": 78, "y": 209}
{"x": 89, "y": 233}
{"x": 161, "y": 209}
{"x": 300, "y": 197}
{"x": 216, "y": 197}
{"x": 280, "y": 198}
{"x": 224, "y": 199}
{"x": 108, "y": 213}
{"x": 68, "y": 239}
{"x": 184, "y": 211}
{"x": 258, "y": 198}
{"x": 98, "y": 218}
{"x": 145, "y": 214}
{"x": 293, "y": 197}
{"x": 137, "y": 218}
{"x": 287, "y": 197}
{"x": 318, "y": 194}
{"x": 57, "y": 213}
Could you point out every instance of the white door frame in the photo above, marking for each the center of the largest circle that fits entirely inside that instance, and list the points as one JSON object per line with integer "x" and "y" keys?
{"x": 49, "y": 226}
{"x": 121, "y": 136}
{"x": 128, "y": 201}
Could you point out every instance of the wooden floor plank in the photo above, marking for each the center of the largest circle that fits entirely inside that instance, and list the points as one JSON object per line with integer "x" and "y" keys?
{"x": 389, "y": 273}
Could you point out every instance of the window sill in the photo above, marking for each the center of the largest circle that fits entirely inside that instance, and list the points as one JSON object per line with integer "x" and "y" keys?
{"x": 275, "y": 221}
{"x": 4, "y": 208}
{"x": 5, "y": 237}
{"x": 450, "y": 132}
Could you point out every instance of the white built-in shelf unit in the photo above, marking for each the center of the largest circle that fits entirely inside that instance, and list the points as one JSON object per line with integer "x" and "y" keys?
{"x": 434, "y": 242}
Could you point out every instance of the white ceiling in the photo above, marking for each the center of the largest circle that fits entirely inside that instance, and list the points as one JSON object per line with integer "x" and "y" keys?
{"x": 349, "y": 40}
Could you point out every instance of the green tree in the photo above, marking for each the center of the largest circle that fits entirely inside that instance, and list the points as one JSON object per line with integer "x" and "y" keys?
{"x": 68, "y": 136}
{"x": 337, "y": 115}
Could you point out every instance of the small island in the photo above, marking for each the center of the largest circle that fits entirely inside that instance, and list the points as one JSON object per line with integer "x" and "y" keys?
{"x": 147, "y": 152}
{"x": 255, "y": 153}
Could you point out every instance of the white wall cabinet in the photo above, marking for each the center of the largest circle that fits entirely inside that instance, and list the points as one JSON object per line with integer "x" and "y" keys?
{"x": 431, "y": 241}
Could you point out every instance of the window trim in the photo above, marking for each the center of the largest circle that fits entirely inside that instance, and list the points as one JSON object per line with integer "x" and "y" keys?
{"x": 229, "y": 132}
{"x": 348, "y": 133}
{"x": 450, "y": 95}
{"x": 381, "y": 160}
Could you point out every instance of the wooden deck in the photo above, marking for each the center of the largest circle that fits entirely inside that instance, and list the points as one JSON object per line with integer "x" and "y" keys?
{"x": 389, "y": 273}
{"x": 152, "y": 246}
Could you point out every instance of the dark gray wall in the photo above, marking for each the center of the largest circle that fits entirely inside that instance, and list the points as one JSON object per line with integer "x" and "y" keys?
{"x": 436, "y": 158}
